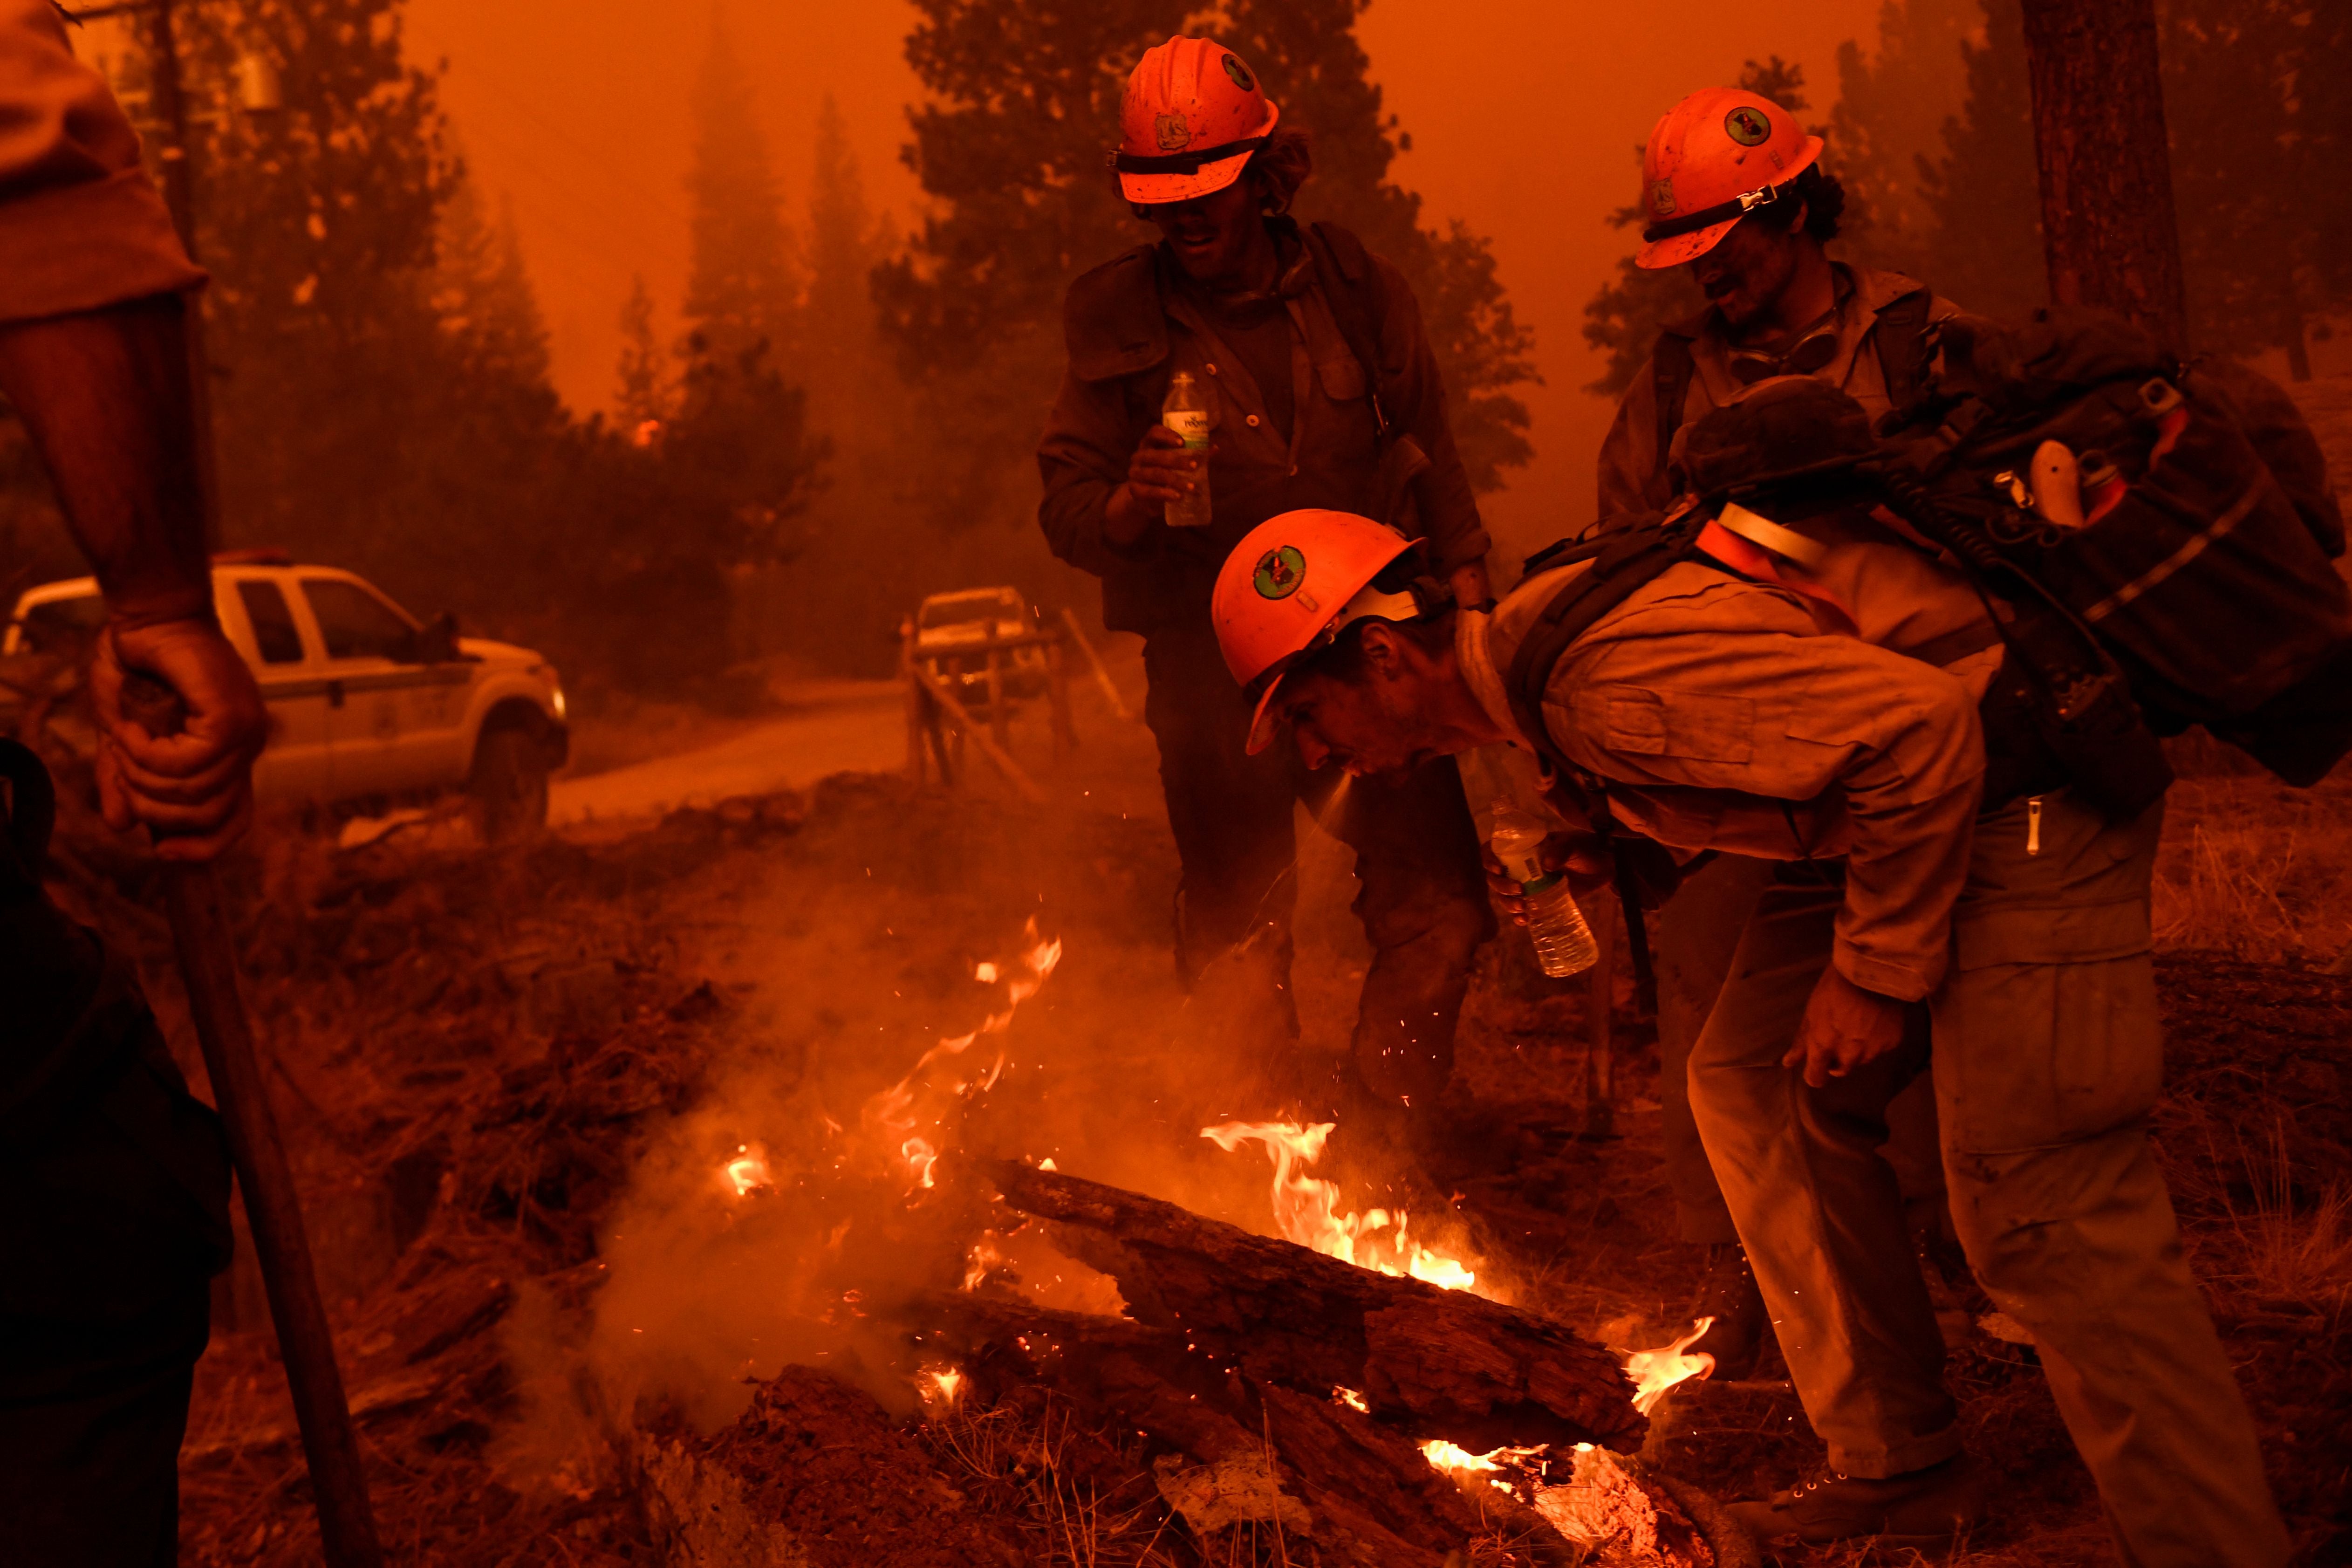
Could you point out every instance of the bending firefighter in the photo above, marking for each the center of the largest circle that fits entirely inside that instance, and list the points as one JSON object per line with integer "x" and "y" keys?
{"x": 1739, "y": 200}
{"x": 1814, "y": 702}
{"x": 1298, "y": 363}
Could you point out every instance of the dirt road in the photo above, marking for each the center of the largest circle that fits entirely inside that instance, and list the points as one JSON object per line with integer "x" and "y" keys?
{"x": 846, "y": 726}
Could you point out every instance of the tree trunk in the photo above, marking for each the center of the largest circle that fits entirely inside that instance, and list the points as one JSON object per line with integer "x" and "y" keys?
{"x": 2107, "y": 220}
{"x": 1432, "y": 1363}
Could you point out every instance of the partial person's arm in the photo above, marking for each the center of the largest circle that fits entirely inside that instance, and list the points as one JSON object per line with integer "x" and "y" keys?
{"x": 81, "y": 226}
{"x": 105, "y": 396}
{"x": 1084, "y": 459}
{"x": 1457, "y": 536}
{"x": 94, "y": 358}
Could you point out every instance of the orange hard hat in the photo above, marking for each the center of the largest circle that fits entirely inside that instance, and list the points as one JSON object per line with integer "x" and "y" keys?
{"x": 1289, "y": 588}
{"x": 1193, "y": 115}
{"x": 1717, "y": 156}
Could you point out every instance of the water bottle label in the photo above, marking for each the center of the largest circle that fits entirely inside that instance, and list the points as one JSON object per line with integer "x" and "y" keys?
{"x": 1541, "y": 884}
{"x": 1192, "y": 424}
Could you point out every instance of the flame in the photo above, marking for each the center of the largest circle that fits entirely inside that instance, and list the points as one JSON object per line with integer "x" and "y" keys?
{"x": 893, "y": 1117}
{"x": 1306, "y": 1208}
{"x": 1352, "y": 1400}
{"x": 1445, "y": 1456}
{"x": 940, "y": 1383}
{"x": 1655, "y": 1372}
{"x": 748, "y": 1171}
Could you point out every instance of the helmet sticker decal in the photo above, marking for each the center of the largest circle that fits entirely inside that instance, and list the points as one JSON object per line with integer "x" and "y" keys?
{"x": 1748, "y": 127}
{"x": 1661, "y": 198}
{"x": 1173, "y": 132}
{"x": 1240, "y": 73}
{"x": 1280, "y": 571}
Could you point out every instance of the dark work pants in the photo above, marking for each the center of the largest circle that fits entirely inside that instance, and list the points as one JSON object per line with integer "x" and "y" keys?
{"x": 91, "y": 1415}
{"x": 1421, "y": 895}
{"x": 113, "y": 1216}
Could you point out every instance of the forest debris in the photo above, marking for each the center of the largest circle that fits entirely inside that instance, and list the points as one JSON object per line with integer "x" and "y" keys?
{"x": 814, "y": 1475}
{"x": 1624, "y": 1522}
{"x": 1241, "y": 1488}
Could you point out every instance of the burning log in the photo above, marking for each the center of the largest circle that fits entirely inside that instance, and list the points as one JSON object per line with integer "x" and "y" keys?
{"x": 1316, "y": 1467}
{"x": 1430, "y": 1361}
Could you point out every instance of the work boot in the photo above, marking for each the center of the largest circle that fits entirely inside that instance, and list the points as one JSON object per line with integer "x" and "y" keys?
{"x": 1922, "y": 1508}
{"x": 1729, "y": 1296}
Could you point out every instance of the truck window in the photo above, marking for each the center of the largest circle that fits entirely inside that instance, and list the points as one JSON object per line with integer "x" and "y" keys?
{"x": 355, "y": 623}
{"x": 63, "y": 626}
{"x": 274, "y": 633}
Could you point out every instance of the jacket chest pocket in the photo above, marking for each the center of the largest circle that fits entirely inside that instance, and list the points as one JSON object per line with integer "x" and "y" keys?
{"x": 1690, "y": 725}
{"x": 1341, "y": 378}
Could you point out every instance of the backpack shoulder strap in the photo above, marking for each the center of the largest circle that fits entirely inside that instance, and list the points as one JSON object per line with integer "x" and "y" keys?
{"x": 1900, "y": 337}
{"x": 1623, "y": 564}
{"x": 1671, "y": 370}
{"x": 1359, "y": 304}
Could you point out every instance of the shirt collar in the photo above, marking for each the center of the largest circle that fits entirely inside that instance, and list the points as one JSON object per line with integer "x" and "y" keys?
{"x": 1474, "y": 651}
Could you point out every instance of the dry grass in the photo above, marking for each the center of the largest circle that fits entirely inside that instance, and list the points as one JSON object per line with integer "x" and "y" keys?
{"x": 2256, "y": 869}
{"x": 1036, "y": 1469}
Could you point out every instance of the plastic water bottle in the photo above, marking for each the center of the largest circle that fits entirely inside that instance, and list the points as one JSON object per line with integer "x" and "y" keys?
{"x": 1188, "y": 412}
{"x": 1564, "y": 944}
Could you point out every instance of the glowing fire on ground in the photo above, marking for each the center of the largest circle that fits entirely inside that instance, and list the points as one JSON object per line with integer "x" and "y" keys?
{"x": 940, "y": 1383}
{"x": 1308, "y": 1208}
{"x": 1656, "y": 1371}
{"x": 906, "y": 1117}
{"x": 747, "y": 1173}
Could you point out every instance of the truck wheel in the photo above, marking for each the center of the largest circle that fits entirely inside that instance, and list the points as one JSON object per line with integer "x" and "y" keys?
{"x": 509, "y": 786}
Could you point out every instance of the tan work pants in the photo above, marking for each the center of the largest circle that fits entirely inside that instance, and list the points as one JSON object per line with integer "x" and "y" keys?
{"x": 2046, "y": 1059}
{"x": 1692, "y": 941}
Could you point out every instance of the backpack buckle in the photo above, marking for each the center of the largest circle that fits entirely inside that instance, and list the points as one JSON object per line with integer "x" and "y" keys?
{"x": 2158, "y": 396}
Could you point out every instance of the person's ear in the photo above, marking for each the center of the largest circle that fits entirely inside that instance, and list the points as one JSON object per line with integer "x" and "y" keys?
{"x": 1383, "y": 651}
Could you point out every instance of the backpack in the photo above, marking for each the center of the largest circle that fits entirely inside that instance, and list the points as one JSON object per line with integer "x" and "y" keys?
{"x": 2205, "y": 568}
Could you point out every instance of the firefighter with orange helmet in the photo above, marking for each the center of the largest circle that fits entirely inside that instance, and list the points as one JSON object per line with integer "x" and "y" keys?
{"x": 1326, "y": 395}
{"x": 1700, "y": 707}
{"x": 1738, "y": 198}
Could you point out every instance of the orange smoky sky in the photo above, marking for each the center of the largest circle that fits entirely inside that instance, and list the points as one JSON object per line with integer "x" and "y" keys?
{"x": 1524, "y": 116}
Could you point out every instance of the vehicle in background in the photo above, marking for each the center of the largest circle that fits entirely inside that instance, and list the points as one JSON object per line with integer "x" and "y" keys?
{"x": 367, "y": 704}
{"x": 951, "y": 631}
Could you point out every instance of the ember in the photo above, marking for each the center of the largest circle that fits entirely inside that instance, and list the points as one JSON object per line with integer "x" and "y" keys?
{"x": 1306, "y": 1208}
{"x": 892, "y": 1118}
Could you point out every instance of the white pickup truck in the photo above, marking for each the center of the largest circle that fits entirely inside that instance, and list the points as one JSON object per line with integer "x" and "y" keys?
{"x": 366, "y": 703}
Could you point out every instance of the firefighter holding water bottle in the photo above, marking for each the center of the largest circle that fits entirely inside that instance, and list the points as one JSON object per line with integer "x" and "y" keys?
{"x": 1242, "y": 367}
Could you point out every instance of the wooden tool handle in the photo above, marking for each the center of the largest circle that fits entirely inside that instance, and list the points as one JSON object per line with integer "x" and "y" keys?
{"x": 200, "y": 931}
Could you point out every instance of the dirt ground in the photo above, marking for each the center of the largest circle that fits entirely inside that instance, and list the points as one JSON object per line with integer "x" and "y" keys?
{"x": 515, "y": 1077}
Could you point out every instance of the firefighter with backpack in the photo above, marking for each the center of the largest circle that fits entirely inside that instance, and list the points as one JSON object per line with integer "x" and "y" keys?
{"x": 1320, "y": 389}
{"x": 1737, "y": 197}
{"x": 1923, "y": 682}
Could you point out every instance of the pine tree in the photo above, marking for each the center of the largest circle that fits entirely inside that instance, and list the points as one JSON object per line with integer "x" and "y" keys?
{"x": 743, "y": 287}
{"x": 482, "y": 295}
{"x": 643, "y": 398}
{"x": 2258, "y": 145}
{"x": 1981, "y": 194}
{"x": 1889, "y": 118}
